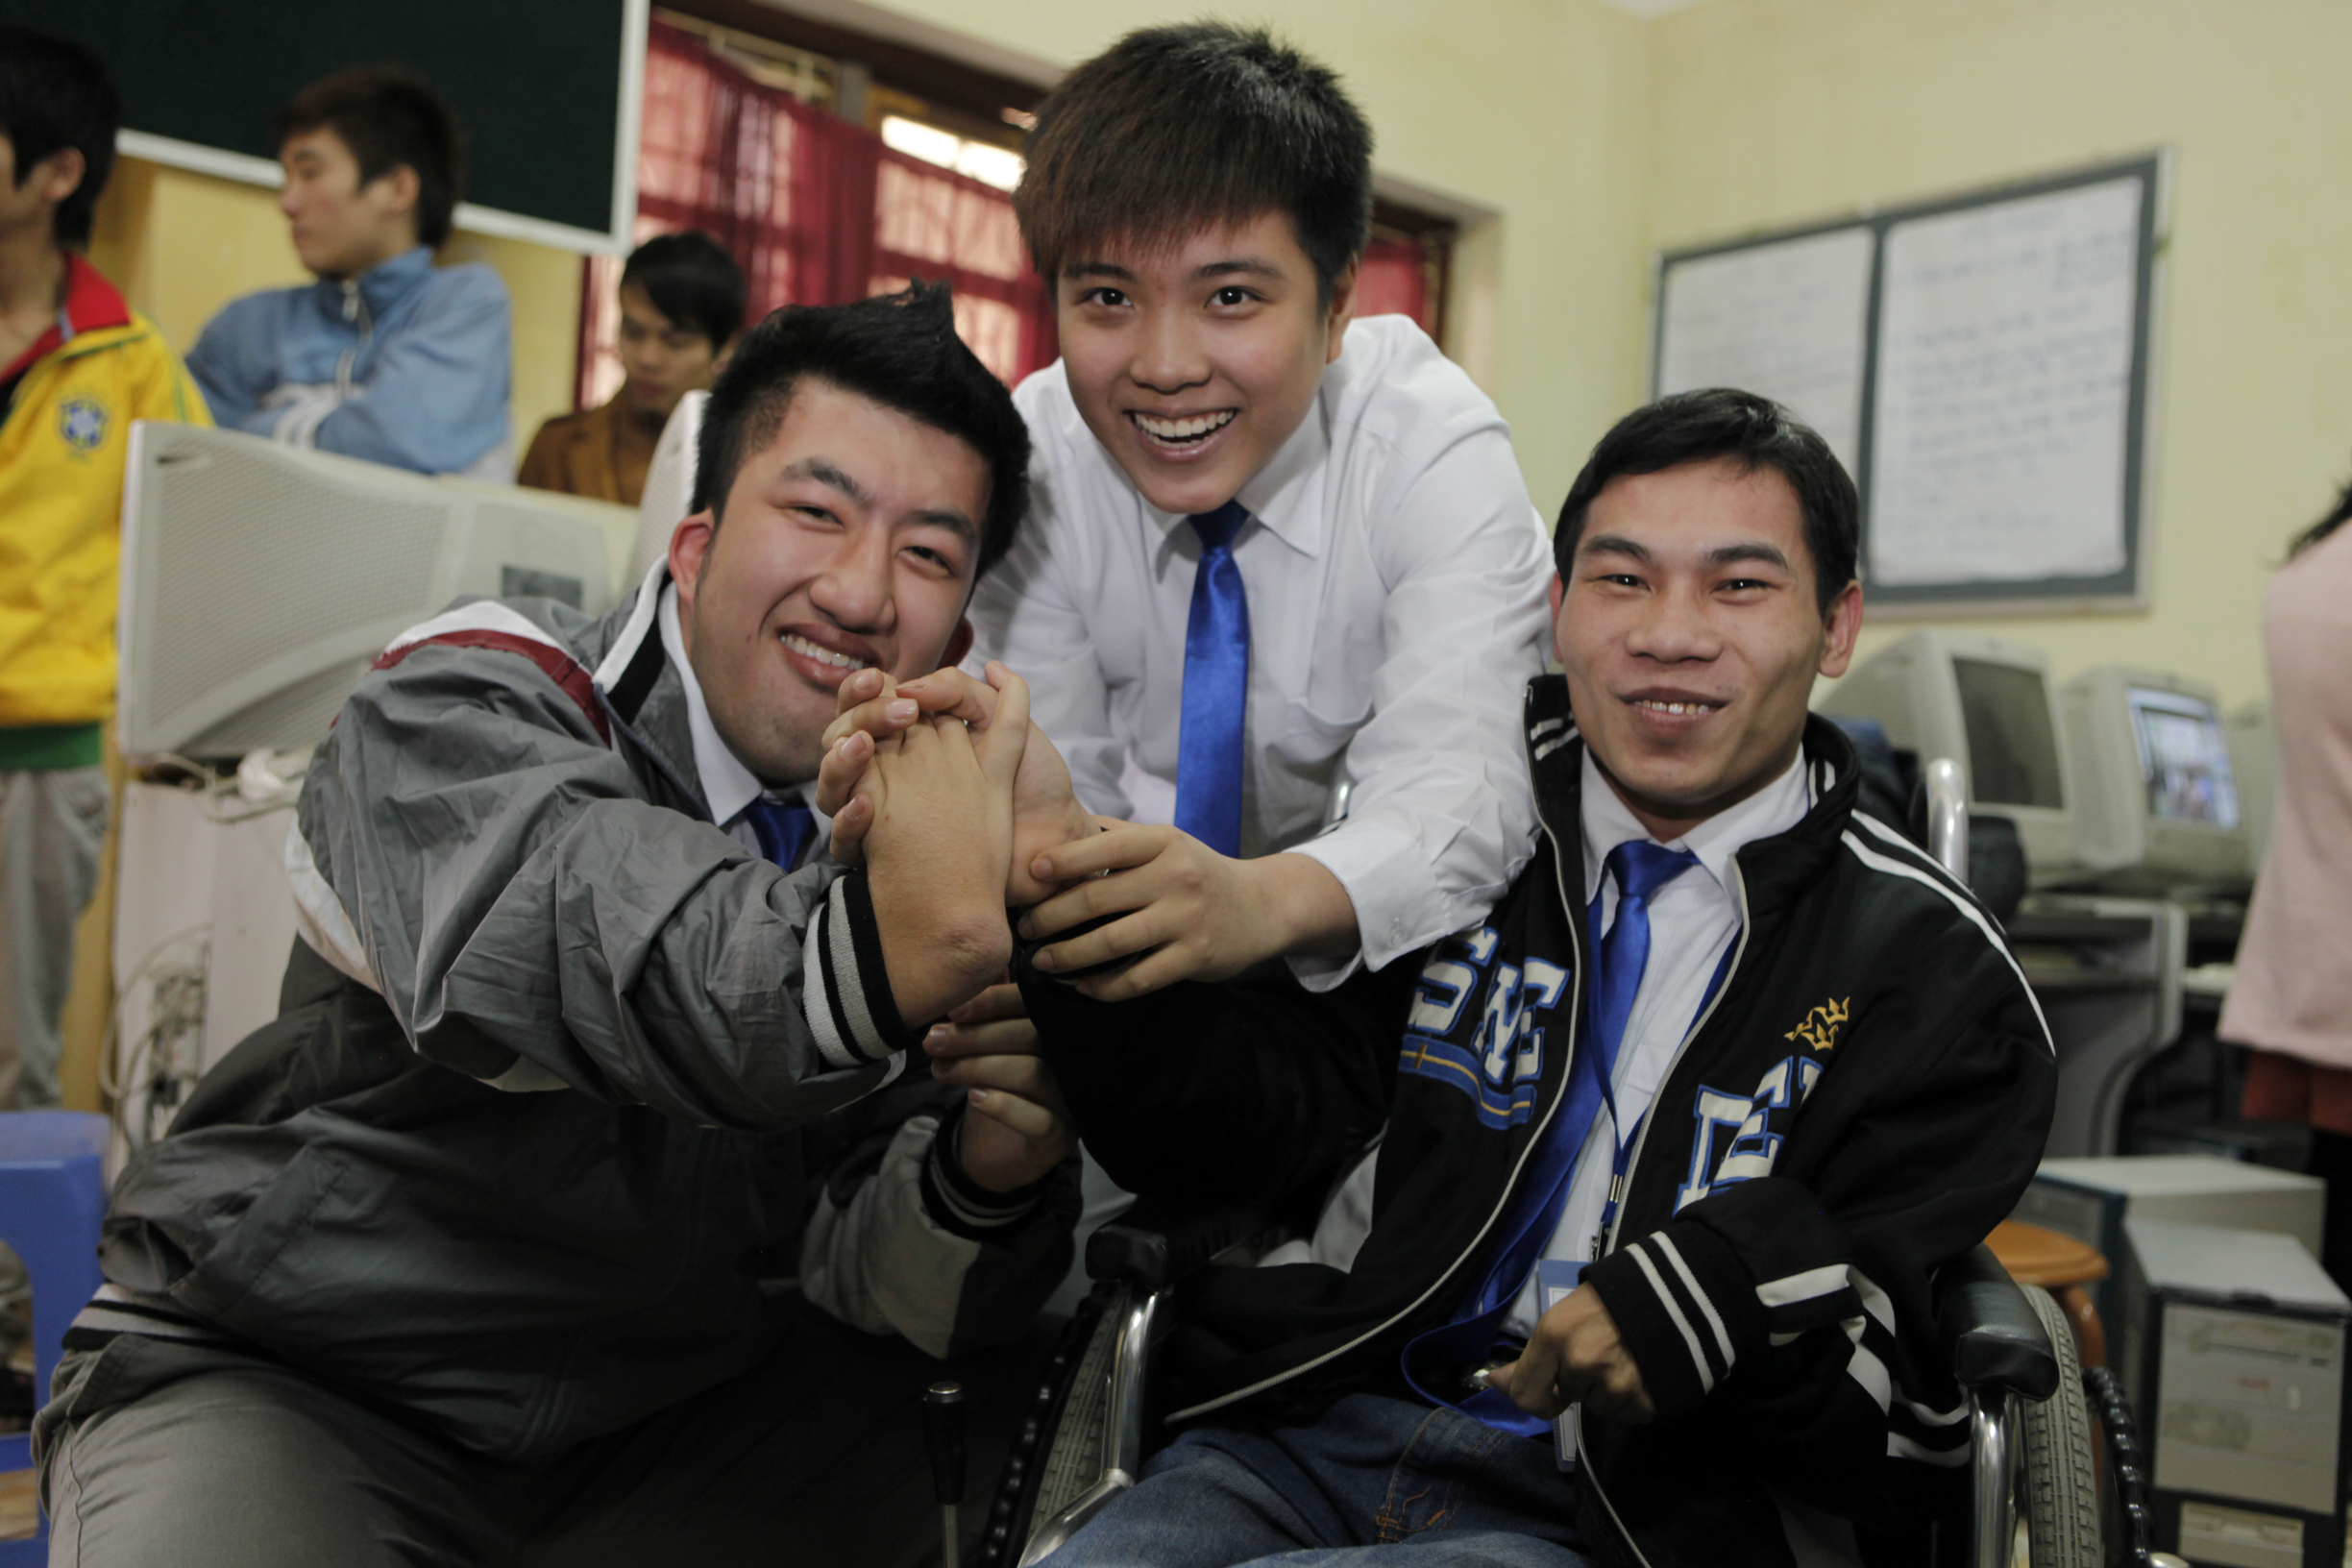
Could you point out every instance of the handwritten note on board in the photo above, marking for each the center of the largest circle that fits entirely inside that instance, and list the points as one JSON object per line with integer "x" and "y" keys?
{"x": 1787, "y": 320}
{"x": 2001, "y": 417}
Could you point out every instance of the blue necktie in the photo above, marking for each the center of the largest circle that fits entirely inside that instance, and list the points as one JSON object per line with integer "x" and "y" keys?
{"x": 783, "y": 828}
{"x": 1640, "y": 869}
{"x": 1215, "y": 688}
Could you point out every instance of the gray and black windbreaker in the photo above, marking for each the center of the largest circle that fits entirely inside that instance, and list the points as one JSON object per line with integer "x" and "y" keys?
{"x": 565, "y": 1080}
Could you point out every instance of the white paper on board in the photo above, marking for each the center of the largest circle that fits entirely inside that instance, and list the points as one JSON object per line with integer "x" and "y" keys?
{"x": 1787, "y": 321}
{"x": 2005, "y": 383}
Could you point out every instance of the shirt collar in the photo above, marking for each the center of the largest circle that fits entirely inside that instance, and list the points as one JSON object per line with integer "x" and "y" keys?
{"x": 1775, "y": 808}
{"x": 728, "y": 785}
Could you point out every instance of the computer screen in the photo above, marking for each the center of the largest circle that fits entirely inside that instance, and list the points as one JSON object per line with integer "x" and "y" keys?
{"x": 260, "y": 580}
{"x": 2184, "y": 757}
{"x": 2157, "y": 808}
{"x": 1986, "y": 704}
{"x": 2012, "y": 743}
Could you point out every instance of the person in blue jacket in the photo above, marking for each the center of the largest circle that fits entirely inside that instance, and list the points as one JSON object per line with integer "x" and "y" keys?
{"x": 386, "y": 356}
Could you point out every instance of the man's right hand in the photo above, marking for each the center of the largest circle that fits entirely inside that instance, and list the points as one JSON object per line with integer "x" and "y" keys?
{"x": 871, "y": 708}
{"x": 940, "y": 851}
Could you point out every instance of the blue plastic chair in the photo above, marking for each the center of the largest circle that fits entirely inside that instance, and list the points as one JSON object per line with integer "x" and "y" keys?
{"x": 52, "y": 1198}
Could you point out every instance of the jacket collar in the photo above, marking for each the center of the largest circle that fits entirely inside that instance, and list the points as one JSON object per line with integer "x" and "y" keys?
{"x": 1775, "y": 870}
{"x": 382, "y": 286}
{"x": 641, "y": 689}
{"x": 90, "y": 304}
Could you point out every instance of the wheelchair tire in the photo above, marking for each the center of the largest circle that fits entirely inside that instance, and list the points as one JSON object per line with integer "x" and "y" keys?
{"x": 2058, "y": 1480}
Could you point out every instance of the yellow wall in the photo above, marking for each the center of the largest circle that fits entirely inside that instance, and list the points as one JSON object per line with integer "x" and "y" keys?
{"x": 182, "y": 245}
{"x": 1766, "y": 112}
{"x": 1602, "y": 140}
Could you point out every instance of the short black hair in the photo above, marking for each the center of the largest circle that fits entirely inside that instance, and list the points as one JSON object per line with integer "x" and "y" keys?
{"x": 388, "y": 117}
{"x": 899, "y": 349}
{"x": 1174, "y": 130}
{"x": 692, "y": 280}
{"x": 53, "y": 94}
{"x": 1755, "y": 432}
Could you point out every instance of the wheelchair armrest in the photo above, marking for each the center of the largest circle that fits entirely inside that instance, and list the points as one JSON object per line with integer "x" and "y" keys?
{"x": 1997, "y": 1341}
{"x": 1158, "y": 1241}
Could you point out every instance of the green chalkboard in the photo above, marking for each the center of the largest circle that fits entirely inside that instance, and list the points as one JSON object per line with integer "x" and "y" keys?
{"x": 541, "y": 86}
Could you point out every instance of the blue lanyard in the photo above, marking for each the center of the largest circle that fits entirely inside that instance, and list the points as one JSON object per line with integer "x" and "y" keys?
{"x": 1588, "y": 1063}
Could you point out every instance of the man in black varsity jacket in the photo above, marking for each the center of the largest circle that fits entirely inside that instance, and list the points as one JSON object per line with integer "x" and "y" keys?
{"x": 1743, "y": 1058}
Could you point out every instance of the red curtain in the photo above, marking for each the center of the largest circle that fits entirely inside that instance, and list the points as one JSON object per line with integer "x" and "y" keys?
{"x": 815, "y": 209}
{"x": 1393, "y": 281}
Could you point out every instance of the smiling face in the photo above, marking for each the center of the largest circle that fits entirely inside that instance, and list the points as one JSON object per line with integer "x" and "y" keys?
{"x": 1691, "y": 635}
{"x": 341, "y": 228}
{"x": 849, "y": 539}
{"x": 1193, "y": 364}
{"x": 664, "y": 360}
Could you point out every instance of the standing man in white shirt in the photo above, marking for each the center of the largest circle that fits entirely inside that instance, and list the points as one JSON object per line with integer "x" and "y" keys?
{"x": 1270, "y": 550}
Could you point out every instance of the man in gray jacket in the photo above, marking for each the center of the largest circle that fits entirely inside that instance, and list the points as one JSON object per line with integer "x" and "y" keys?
{"x": 484, "y": 1250}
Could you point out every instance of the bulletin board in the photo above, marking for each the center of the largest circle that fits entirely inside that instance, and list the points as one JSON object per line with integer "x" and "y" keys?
{"x": 1980, "y": 364}
{"x": 547, "y": 90}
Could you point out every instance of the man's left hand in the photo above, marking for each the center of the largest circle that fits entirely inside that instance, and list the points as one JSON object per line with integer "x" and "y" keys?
{"x": 1576, "y": 1358}
{"x": 1016, "y": 1127}
{"x": 1195, "y": 915}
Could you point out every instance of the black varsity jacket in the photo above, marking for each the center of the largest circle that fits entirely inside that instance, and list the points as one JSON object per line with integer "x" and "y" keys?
{"x": 1865, "y": 1099}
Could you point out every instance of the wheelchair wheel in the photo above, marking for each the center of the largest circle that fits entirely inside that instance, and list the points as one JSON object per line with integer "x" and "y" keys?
{"x": 2058, "y": 1482}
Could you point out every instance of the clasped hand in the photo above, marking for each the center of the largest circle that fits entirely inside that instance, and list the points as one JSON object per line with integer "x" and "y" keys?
{"x": 1175, "y": 907}
{"x": 940, "y": 796}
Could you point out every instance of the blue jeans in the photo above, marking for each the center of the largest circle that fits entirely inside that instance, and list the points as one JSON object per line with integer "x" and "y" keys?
{"x": 1377, "y": 1482}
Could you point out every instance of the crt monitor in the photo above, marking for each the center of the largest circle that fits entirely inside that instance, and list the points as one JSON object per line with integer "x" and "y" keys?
{"x": 2159, "y": 807}
{"x": 668, "y": 486}
{"x": 260, "y": 580}
{"x": 1986, "y": 704}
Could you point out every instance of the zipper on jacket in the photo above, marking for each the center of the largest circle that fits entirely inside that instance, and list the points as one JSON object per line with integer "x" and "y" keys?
{"x": 1575, "y": 942}
{"x": 354, "y": 313}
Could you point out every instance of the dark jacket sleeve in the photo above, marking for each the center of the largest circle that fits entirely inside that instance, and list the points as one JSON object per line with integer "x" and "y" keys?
{"x": 1798, "y": 1308}
{"x": 1242, "y": 1090}
{"x": 900, "y": 1241}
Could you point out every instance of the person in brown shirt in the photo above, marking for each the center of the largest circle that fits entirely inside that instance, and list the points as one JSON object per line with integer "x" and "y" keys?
{"x": 682, "y": 308}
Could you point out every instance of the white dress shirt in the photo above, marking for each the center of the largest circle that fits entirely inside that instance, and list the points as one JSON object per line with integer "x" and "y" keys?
{"x": 1692, "y": 922}
{"x": 728, "y": 787}
{"x": 1396, "y": 575}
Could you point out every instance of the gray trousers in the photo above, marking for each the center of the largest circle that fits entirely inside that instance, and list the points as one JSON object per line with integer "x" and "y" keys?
{"x": 52, "y": 826}
{"x": 155, "y": 1451}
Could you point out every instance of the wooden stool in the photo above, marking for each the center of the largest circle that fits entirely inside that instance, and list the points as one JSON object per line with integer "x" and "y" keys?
{"x": 2062, "y": 1265}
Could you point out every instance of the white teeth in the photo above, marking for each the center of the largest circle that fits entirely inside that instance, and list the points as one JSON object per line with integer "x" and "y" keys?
{"x": 1183, "y": 429}
{"x": 1674, "y": 707}
{"x": 823, "y": 656}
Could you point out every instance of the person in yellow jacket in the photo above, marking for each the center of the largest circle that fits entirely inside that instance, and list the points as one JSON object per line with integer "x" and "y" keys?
{"x": 79, "y": 366}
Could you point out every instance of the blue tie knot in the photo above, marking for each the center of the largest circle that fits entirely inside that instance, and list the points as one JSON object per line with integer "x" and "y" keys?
{"x": 1642, "y": 868}
{"x": 1216, "y": 530}
{"x": 783, "y": 828}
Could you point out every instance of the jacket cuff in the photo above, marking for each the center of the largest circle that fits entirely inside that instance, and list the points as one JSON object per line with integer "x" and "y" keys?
{"x": 958, "y": 1204}
{"x": 845, "y": 989}
{"x": 1684, "y": 1307}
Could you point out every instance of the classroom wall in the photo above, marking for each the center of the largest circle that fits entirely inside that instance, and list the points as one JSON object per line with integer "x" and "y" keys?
{"x": 1534, "y": 109}
{"x": 1768, "y": 112}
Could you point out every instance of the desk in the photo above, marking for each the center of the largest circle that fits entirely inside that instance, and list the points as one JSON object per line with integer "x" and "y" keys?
{"x": 2107, "y": 973}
